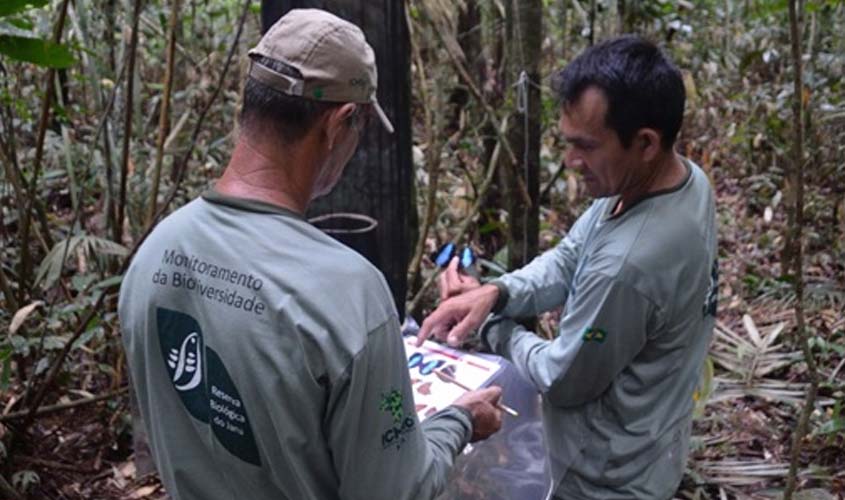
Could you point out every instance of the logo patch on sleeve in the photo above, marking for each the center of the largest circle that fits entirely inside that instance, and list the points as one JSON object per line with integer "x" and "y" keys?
{"x": 711, "y": 301}
{"x": 393, "y": 403}
{"x": 202, "y": 382}
{"x": 593, "y": 334}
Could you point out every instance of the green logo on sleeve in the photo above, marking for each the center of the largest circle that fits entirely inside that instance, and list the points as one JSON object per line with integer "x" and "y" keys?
{"x": 593, "y": 334}
{"x": 712, "y": 300}
{"x": 393, "y": 404}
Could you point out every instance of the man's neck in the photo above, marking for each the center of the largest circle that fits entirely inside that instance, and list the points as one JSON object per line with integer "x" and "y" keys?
{"x": 257, "y": 174}
{"x": 670, "y": 172}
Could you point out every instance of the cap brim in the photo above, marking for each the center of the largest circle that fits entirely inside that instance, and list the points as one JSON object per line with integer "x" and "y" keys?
{"x": 382, "y": 116}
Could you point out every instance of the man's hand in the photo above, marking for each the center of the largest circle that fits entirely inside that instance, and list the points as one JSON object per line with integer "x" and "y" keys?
{"x": 454, "y": 283}
{"x": 458, "y": 316}
{"x": 486, "y": 417}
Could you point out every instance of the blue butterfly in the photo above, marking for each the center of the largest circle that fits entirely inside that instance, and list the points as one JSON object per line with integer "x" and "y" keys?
{"x": 418, "y": 361}
{"x": 443, "y": 256}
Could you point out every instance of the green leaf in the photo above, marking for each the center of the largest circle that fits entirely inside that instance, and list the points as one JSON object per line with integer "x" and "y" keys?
{"x": 8, "y": 7}
{"x": 21, "y": 23}
{"x": 81, "y": 282}
{"x": 19, "y": 344}
{"x": 36, "y": 51}
{"x": 6, "y": 375}
{"x": 51, "y": 266}
{"x": 490, "y": 226}
{"x": 42, "y": 366}
{"x": 86, "y": 337}
{"x": 55, "y": 342}
{"x": 832, "y": 426}
{"x": 109, "y": 282}
{"x": 24, "y": 479}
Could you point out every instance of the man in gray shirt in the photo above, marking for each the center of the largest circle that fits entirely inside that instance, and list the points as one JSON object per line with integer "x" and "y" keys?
{"x": 637, "y": 274}
{"x": 266, "y": 356}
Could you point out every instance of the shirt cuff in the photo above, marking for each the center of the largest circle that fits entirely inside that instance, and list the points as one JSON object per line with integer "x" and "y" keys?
{"x": 463, "y": 416}
{"x": 503, "y": 297}
{"x": 496, "y": 332}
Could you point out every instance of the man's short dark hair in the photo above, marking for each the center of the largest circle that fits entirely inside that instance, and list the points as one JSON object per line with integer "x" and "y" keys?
{"x": 644, "y": 89}
{"x": 289, "y": 116}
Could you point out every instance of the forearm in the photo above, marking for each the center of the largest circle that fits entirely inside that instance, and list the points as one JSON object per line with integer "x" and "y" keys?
{"x": 446, "y": 435}
{"x": 532, "y": 356}
{"x": 540, "y": 286}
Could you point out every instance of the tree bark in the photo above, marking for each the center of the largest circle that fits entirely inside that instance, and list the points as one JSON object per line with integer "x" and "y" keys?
{"x": 795, "y": 230}
{"x": 525, "y": 131}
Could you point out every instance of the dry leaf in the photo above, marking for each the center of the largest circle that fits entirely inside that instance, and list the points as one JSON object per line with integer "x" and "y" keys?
{"x": 127, "y": 470}
{"x": 751, "y": 328}
{"x": 21, "y": 315}
{"x": 144, "y": 492}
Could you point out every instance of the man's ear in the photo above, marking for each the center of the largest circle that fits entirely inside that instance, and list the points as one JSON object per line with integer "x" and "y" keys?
{"x": 648, "y": 143}
{"x": 336, "y": 120}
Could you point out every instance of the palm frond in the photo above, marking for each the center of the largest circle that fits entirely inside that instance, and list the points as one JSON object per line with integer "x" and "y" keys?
{"x": 50, "y": 269}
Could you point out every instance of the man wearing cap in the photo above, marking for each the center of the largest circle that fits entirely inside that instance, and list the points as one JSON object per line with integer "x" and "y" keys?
{"x": 265, "y": 355}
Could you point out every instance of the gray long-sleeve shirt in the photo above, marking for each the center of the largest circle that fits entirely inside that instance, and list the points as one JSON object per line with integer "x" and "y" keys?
{"x": 268, "y": 363}
{"x": 617, "y": 383}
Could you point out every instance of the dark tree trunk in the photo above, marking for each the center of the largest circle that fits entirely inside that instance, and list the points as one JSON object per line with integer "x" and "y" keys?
{"x": 524, "y": 133}
{"x": 377, "y": 181}
{"x": 623, "y": 16}
{"x": 492, "y": 80}
{"x": 469, "y": 39}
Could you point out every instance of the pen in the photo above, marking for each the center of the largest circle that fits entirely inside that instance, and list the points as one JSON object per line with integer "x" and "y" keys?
{"x": 448, "y": 378}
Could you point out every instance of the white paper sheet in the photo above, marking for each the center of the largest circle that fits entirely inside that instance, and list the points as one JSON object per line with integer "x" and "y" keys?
{"x": 430, "y": 392}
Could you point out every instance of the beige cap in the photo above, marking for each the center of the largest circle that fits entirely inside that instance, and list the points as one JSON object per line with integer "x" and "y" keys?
{"x": 336, "y": 62}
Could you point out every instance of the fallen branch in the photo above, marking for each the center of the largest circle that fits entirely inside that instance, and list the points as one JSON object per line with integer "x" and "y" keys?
{"x": 46, "y": 410}
{"x": 51, "y": 464}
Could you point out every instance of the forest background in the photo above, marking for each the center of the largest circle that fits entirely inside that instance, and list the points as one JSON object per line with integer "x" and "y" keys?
{"x": 113, "y": 113}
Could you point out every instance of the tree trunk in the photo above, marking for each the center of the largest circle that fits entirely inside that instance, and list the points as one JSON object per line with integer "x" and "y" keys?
{"x": 564, "y": 28}
{"x": 621, "y": 9}
{"x": 377, "y": 181}
{"x": 524, "y": 133}
{"x": 492, "y": 80}
{"x": 796, "y": 241}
